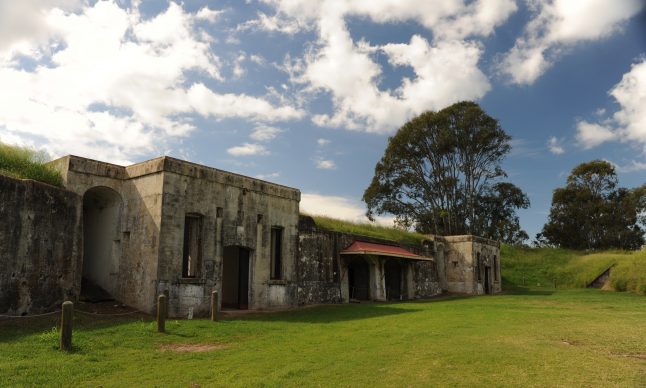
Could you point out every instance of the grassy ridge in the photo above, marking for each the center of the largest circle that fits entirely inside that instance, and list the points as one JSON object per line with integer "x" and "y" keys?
{"x": 543, "y": 267}
{"x": 25, "y": 163}
{"x": 370, "y": 230}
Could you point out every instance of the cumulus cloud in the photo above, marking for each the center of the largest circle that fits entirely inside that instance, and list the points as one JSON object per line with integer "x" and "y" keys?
{"x": 208, "y": 14}
{"x": 325, "y": 164}
{"x": 446, "y": 69}
{"x": 557, "y": 25}
{"x": 248, "y": 149}
{"x": 113, "y": 85}
{"x": 264, "y": 132}
{"x": 555, "y": 145}
{"x": 628, "y": 123}
{"x": 323, "y": 142}
{"x": 338, "y": 207}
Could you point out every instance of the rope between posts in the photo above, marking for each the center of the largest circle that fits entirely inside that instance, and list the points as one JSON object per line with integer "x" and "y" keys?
{"x": 58, "y": 311}
{"x": 106, "y": 315}
{"x": 29, "y": 316}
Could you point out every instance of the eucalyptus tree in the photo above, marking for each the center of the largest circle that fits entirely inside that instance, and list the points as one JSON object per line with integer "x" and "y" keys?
{"x": 442, "y": 173}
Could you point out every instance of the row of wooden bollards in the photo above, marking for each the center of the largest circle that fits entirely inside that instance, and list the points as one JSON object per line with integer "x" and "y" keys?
{"x": 67, "y": 315}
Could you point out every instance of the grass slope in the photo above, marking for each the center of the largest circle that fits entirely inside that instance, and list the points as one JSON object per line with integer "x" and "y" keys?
{"x": 538, "y": 339}
{"x": 543, "y": 267}
{"x": 367, "y": 229}
{"x": 24, "y": 163}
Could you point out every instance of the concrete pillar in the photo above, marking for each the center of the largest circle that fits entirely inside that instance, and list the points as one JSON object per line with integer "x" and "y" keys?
{"x": 377, "y": 278}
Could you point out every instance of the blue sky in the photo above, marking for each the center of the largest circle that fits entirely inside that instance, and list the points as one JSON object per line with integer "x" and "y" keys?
{"x": 306, "y": 93}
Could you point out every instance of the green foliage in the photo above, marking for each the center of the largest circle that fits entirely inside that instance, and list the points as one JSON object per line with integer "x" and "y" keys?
{"x": 590, "y": 212}
{"x": 441, "y": 173}
{"x": 543, "y": 267}
{"x": 370, "y": 230}
{"x": 25, "y": 163}
{"x": 537, "y": 339}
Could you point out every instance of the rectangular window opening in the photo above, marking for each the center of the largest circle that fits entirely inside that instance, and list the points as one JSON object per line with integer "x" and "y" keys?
{"x": 276, "y": 253}
{"x": 191, "y": 259}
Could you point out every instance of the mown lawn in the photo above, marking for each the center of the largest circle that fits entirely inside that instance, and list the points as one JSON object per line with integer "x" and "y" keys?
{"x": 538, "y": 338}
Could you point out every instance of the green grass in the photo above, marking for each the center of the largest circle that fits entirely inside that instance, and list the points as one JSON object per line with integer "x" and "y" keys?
{"x": 370, "y": 230}
{"x": 542, "y": 267}
{"x": 25, "y": 163}
{"x": 586, "y": 338}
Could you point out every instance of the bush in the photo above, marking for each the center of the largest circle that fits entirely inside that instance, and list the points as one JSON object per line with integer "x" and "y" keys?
{"x": 25, "y": 163}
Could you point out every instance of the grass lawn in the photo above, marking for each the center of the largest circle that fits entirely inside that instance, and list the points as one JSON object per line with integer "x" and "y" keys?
{"x": 536, "y": 338}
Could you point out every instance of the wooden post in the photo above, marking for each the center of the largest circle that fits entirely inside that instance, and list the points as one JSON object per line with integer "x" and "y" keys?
{"x": 161, "y": 313}
{"x": 167, "y": 293}
{"x": 66, "y": 325}
{"x": 214, "y": 306}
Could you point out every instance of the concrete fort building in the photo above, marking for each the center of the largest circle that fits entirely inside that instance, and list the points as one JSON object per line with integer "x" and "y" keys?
{"x": 183, "y": 229}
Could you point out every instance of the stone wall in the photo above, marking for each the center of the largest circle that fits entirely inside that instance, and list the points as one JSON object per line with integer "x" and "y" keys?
{"x": 322, "y": 271}
{"x": 40, "y": 246}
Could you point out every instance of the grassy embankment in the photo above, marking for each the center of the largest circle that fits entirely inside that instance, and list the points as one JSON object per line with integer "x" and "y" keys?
{"x": 543, "y": 267}
{"x": 368, "y": 229}
{"x": 25, "y": 163}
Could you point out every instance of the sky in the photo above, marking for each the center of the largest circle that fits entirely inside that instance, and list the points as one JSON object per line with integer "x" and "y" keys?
{"x": 306, "y": 93}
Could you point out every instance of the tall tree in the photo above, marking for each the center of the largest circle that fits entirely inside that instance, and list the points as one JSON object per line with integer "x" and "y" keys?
{"x": 441, "y": 173}
{"x": 591, "y": 212}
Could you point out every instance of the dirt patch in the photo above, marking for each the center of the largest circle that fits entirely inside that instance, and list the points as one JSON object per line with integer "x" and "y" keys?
{"x": 568, "y": 342}
{"x": 192, "y": 348}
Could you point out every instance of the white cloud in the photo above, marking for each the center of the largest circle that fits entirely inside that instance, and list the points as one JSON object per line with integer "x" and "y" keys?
{"x": 446, "y": 70}
{"x": 555, "y": 146}
{"x": 628, "y": 123}
{"x": 591, "y": 135}
{"x": 24, "y": 25}
{"x": 633, "y": 166}
{"x": 269, "y": 176}
{"x": 263, "y": 132}
{"x": 323, "y": 142}
{"x": 209, "y": 15}
{"x": 559, "y": 24}
{"x": 325, "y": 164}
{"x": 238, "y": 70}
{"x": 114, "y": 86}
{"x": 248, "y": 149}
{"x": 338, "y": 207}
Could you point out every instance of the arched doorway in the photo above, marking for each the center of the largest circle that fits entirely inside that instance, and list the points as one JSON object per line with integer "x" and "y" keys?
{"x": 235, "y": 278}
{"x": 101, "y": 243}
{"x": 359, "y": 279}
{"x": 393, "y": 274}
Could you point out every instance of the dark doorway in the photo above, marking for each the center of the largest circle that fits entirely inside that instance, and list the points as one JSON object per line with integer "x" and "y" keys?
{"x": 487, "y": 280}
{"x": 359, "y": 279}
{"x": 393, "y": 271}
{"x": 101, "y": 244}
{"x": 235, "y": 278}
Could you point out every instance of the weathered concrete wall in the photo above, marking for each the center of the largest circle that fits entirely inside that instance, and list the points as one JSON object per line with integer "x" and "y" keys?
{"x": 40, "y": 246}
{"x": 323, "y": 272}
{"x": 461, "y": 253}
{"x": 235, "y": 211}
{"x": 135, "y": 240}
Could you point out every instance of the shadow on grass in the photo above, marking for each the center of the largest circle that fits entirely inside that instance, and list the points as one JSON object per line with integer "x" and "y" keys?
{"x": 344, "y": 312}
{"x": 518, "y": 290}
{"x": 329, "y": 314}
{"x": 13, "y": 329}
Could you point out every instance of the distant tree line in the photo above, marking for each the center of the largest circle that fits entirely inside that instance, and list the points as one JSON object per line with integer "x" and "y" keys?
{"x": 592, "y": 212}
